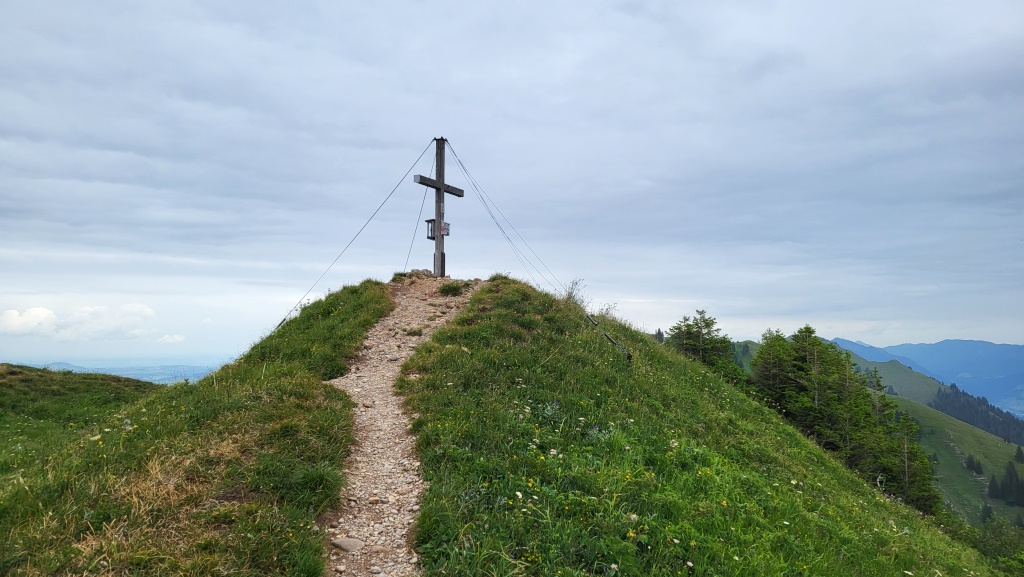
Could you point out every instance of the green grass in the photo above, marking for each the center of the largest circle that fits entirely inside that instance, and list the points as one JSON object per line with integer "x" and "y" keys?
{"x": 327, "y": 333}
{"x": 42, "y": 411}
{"x": 907, "y": 382}
{"x": 547, "y": 454}
{"x": 224, "y": 476}
{"x": 746, "y": 357}
{"x": 952, "y": 440}
{"x": 452, "y": 289}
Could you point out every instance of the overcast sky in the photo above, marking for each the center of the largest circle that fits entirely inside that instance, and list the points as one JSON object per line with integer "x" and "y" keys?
{"x": 175, "y": 175}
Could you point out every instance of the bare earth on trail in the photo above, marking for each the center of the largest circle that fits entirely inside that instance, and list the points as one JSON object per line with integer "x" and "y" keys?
{"x": 370, "y": 533}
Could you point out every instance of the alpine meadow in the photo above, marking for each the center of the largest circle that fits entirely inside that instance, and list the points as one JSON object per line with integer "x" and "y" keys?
{"x": 546, "y": 450}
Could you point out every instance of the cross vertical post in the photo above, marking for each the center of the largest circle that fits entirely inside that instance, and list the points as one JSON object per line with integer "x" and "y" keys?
{"x": 437, "y": 227}
{"x": 439, "y": 210}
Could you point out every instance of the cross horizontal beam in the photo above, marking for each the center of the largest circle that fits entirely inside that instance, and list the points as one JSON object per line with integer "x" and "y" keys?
{"x": 419, "y": 179}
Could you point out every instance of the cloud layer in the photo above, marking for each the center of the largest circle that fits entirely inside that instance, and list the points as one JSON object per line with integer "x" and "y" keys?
{"x": 856, "y": 167}
{"x": 34, "y": 321}
{"x": 126, "y": 322}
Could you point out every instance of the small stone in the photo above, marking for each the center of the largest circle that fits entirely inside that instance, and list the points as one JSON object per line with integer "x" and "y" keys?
{"x": 334, "y": 525}
{"x": 375, "y": 570}
{"x": 339, "y": 569}
{"x": 404, "y": 490}
{"x": 393, "y": 358}
{"x": 368, "y": 404}
{"x": 348, "y": 545}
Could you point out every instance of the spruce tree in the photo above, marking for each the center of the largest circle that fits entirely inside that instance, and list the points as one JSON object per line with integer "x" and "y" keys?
{"x": 986, "y": 512}
{"x": 817, "y": 388}
{"x": 771, "y": 371}
{"x": 700, "y": 338}
{"x": 1011, "y": 488}
{"x": 994, "y": 490}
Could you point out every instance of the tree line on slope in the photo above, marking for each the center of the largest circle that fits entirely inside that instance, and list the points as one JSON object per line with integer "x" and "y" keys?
{"x": 1010, "y": 488}
{"x": 979, "y": 412}
{"x": 814, "y": 385}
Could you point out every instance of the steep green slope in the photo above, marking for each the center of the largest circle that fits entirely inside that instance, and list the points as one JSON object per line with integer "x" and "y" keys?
{"x": 548, "y": 454}
{"x": 225, "y": 476}
{"x": 952, "y": 440}
{"x": 905, "y": 381}
{"x": 42, "y": 410}
{"x": 744, "y": 352}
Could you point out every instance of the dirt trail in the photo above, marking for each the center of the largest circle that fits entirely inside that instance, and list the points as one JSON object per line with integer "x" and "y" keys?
{"x": 369, "y": 534}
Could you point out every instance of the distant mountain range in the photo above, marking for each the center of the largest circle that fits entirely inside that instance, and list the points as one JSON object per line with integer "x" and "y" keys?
{"x": 984, "y": 369}
{"x": 163, "y": 374}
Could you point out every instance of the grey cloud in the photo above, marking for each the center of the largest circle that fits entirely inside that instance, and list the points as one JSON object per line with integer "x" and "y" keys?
{"x": 789, "y": 160}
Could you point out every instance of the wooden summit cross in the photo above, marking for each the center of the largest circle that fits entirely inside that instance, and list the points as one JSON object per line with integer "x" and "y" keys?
{"x": 437, "y": 228}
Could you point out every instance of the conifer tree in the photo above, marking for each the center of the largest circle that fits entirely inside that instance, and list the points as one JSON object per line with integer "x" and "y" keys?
{"x": 986, "y": 512}
{"x": 994, "y": 488}
{"x": 915, "y": 474}
{"x": 700, "y": 338}
{"x": 771, "y": 371}
{"x": 818, "y": 389}
{"x": 1011, "y": 488}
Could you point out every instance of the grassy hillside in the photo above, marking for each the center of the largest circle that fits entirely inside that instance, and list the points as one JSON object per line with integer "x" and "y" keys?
{"x": 952, "y": 440}
{"x": 225, "y": 476}
{"x": 42, "y": 411}
{"x": 905, "y": 381}
{"x": 744, "y": 352}
{"x": 548, "y": 454}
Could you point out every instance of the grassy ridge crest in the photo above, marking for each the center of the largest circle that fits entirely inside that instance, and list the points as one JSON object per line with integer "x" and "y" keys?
{"x": 226, "y": 475}
{"x": 547, "y": 454}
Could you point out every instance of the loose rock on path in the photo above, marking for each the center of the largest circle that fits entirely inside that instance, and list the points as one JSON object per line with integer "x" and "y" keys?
{"x": 370, "y": 534}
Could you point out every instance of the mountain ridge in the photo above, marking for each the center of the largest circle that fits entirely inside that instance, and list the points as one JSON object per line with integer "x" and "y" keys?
{"x": 878, "y": 354}
{"x": 159, "y": 374}
{"x": 982, "y": 368}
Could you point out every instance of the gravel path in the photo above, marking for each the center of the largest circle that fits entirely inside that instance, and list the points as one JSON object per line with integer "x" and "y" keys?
{"x": 370, "y": 534}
